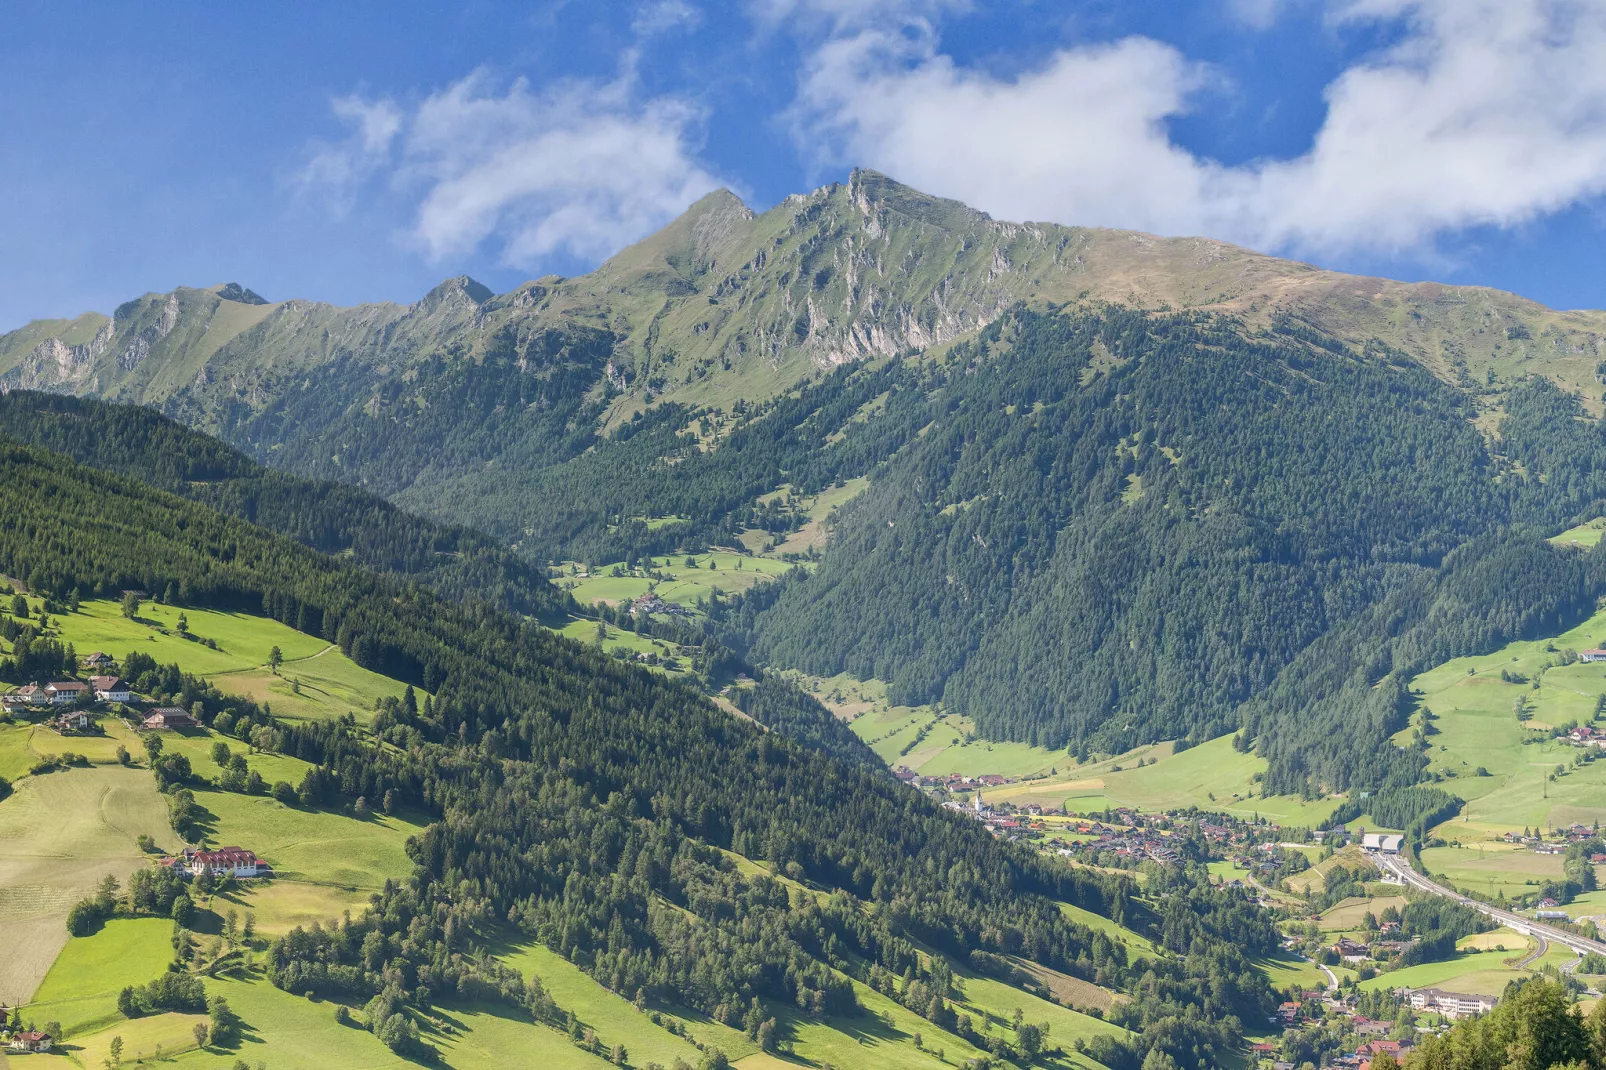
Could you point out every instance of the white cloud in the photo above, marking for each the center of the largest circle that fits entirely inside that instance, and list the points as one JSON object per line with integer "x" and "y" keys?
{"x": 1258, "y": 14}
{"x": 582, "y": 167}
{"x": 1487, "y": 112}
{"x": 335, "y": 170}
{"x": 660, "y": 16}
{"x": 849, "y": 14}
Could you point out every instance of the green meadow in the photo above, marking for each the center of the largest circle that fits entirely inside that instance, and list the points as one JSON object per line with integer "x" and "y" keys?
{"x": 59, "y": 835}
{"x": 615, "y": 1018}
{"x": 1474, "y": 726}
{"x": 316, "y": 680}
{"x": 316, "y": 846}
{"x": 1479, "y": 972}
{"x": 685, "y": 584}
{"x": 1584, "y": 536}
{"x": 80, "y": 991}
{"x": 1211, "y": 776}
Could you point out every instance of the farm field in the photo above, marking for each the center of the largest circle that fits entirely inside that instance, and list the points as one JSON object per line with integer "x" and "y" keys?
{"x": 614, "y": 1018}
{"x": 1493, "y": 868}
{"x": 80, "y": 991}
{"x": 684, "y": 584}
{"x": 1508, "y": 940}
{"x": 1350, "y": 914}
{"x": 59, "y": 835}
{"x": 1584, "y": 536}
{"x": 1481, "y": 972}
{"x": 1212, "y": 776}
{"x": 316, "y": 846}
{"x": 1476, "y": 727}
{"x": 330, "y": 683}
{"x": 23, "y": 744}
{"x": 173, "y": 1032}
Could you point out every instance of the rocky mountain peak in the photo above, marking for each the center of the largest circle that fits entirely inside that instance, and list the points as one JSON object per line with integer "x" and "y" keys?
{"x": 233, "y": 291}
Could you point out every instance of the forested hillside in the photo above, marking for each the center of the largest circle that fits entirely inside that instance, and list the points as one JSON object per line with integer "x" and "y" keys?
{"x": 330, "y": 517}
{"x": 582, "y": 801}
{"x": 1087, "y": 524}
{"x": 1109, "y": 529}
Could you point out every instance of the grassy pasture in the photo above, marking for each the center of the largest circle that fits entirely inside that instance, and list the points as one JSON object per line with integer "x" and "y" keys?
{"x": 817, "y": 529}
{"x": 196, "y": 745}
{"x": 1212, "y": 776}
{"x": 1476, "y": 726}
{"x": 1493, "y": 868}
{"x": 722, "y": 570}
{"x": 1584, "y": 536}
{"x": 80, "y": 991}
{"x": 996, "y": 1002}
{"x": 1098, "y": 923}
{"x": 313, "y": 846}
{"x": 1288, "y": 971}
{"x": 172, "y": 1032}
{"x": 331, "y": 683}
{"x": 59, "y": 835}
{"x": 614, "y": 1018}
{"x": 1481, "y": 972}
{"x": 1351, "y": 913}
{"x": 243, "y": 640}
{"x": 1508, "y": 940}
{"x": 23, "y": 744}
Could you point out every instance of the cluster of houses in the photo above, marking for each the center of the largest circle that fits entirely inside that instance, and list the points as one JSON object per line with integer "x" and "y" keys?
{"x": 1132, "y": 844}
{"x": 1379, "y": 950}
{"x": 222, "y": 862}
{"x": 75, "y": 699}
{"x": 650, "y": 603}
{"x": 1368, "y": 1036}
{"x": 950, "y": 782}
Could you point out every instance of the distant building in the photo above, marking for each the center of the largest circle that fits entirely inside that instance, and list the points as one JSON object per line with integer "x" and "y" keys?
{"x": 32, "y": 695}
{"x": 1383, "y": 843}
{"x": 1592, "y": 655}
{"x": 98, "y": 660}
{"x": 31, "y": 1041}
{"x": 168, "y": 717}
{"x": 225, "y": 861}
{"x": 110, "y": 689}
{"x": 1551, "y": 915}
{"x": 72, "y": 721}
{"x": 1450, "y": 1004}
{"x": 66, "y": 692}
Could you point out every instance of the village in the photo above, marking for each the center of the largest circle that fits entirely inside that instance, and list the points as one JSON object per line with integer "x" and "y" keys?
{"x": 1336, "y": 1023}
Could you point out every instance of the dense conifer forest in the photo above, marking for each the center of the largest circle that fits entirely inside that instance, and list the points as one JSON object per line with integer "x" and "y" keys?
{"x": 1086, "y": 528}
{"x": 333, "y": 518}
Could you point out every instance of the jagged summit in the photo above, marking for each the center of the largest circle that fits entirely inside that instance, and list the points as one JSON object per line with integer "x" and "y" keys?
{"x": 455, "y": 291}
{"x": 233, "y": 291}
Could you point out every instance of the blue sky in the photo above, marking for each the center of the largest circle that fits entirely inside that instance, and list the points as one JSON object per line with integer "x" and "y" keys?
{"x": 364, "y": 151}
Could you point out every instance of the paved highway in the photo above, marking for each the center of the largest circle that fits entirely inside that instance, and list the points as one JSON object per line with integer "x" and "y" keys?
{"x": 1541, "y": 932}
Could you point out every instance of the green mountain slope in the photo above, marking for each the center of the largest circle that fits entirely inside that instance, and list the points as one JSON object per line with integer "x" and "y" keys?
{"x": 329, "y": 517}
{"x": 595, "y": 808}
{"x": 1089, "y": 520}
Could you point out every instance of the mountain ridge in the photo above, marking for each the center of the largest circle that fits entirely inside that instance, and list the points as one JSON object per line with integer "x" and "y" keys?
{"x": 726, "y": 302}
